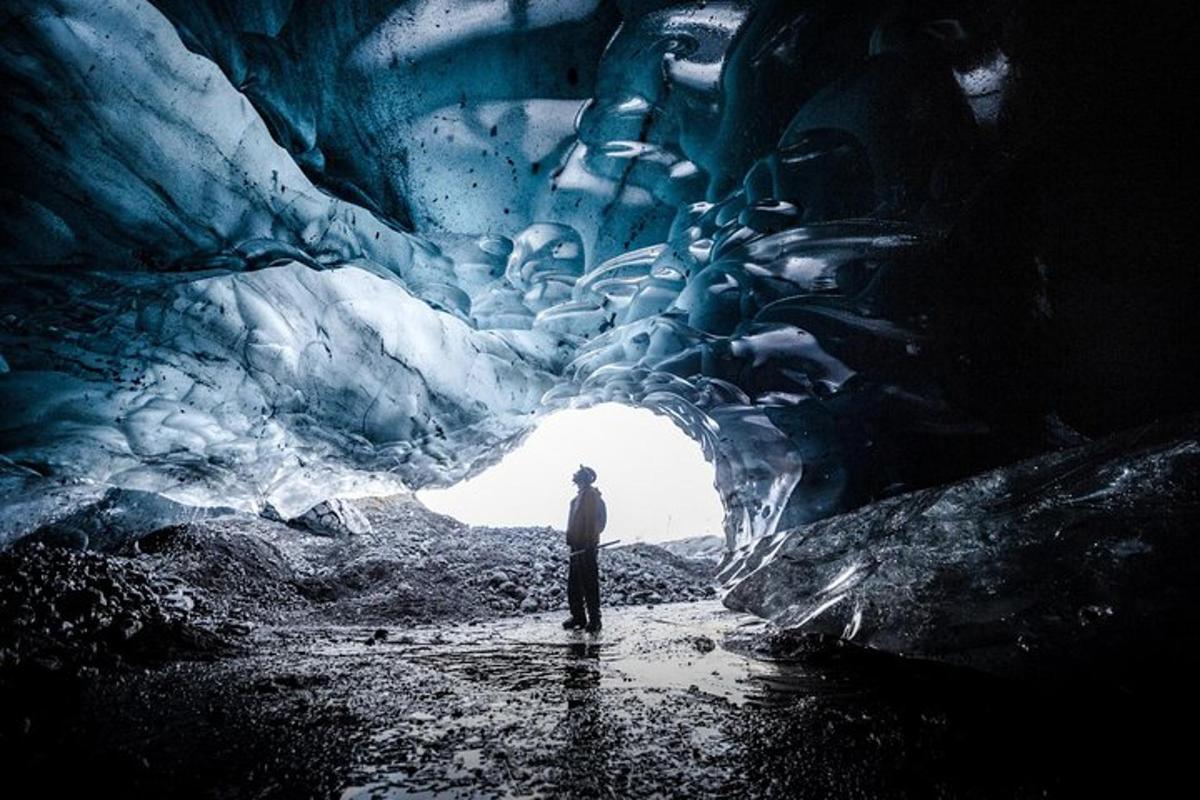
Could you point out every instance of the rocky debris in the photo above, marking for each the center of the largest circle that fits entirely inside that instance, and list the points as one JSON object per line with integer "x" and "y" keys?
{"x": 1080, "y": 562}
{"x": 421, "y": 566}
{"x": 406, "y": 565}
{"x": 232, "y": 574}
{"x": 235, "y": 627}
{"x": 334, "y": 517}
{"x": 62, "y": 610}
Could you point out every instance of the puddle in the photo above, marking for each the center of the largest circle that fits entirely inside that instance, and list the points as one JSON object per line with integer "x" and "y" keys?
{"x": 664, "y": 647}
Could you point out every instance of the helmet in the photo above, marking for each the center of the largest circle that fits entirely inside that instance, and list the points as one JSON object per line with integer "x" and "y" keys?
{"x": 584, "y": 475}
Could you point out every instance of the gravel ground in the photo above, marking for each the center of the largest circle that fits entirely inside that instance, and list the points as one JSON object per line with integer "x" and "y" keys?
{"x": 239, "y": 658}
{"x": 413, "y": 567}
{"x": 62, "y": 610}
{"x": 193, "y": 590}
{"x": 666, "y": 702}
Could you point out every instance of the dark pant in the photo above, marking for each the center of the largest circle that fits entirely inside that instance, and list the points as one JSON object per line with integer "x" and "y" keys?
{"x": 583, "y": 586}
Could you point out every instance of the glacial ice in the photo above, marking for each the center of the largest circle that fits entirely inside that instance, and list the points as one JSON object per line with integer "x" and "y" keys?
{"x": 271, "y": 254}
{"x": 976, "y": 573}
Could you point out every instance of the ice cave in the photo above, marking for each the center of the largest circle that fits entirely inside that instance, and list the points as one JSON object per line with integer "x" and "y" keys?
{"x": 915, "y": 277}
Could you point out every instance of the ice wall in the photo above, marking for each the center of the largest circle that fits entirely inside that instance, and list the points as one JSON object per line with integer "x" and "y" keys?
{"x": 271, "y": 252}
{"x": 185, "y": 313}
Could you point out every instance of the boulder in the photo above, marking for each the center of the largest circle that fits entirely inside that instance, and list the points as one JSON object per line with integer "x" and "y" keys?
{"x": 335, "y": 518}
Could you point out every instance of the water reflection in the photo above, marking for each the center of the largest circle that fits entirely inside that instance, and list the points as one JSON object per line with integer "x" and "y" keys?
{"x": 691, "y": 700}
{"x": 581, "y": 670}
{"x": 591, "y": 732}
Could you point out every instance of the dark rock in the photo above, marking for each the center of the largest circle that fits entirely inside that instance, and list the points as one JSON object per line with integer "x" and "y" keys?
{"x": 236, "y": 628}
{"x": 62, "y": 609}
{"x": 513, "y": 590}
{"x": 78, "y": 603}
{"x": 269, "y": 512}
{"x": 126, "y": 628}
{"x": 334, "y": 517}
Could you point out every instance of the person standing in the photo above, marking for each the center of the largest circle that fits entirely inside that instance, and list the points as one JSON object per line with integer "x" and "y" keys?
{"x": 584, "y": 524}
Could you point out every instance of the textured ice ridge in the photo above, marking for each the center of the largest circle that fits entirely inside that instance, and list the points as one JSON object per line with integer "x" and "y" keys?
{"x": 276, "y": 253}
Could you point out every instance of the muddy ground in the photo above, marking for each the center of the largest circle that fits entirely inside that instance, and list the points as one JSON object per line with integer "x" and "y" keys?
{"x": 666, "y": 702}
{"x": 240, "y": 658}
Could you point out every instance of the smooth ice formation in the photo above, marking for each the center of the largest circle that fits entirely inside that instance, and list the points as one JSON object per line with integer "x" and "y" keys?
{"x": 974, "y": 573}
{"x": 272, "y": 254}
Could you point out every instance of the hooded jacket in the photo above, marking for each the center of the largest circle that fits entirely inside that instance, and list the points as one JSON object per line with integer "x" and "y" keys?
{"x": 586, "y": 519}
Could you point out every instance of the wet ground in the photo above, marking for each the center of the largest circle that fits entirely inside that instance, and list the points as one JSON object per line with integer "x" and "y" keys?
{"x": 664, "y": 702}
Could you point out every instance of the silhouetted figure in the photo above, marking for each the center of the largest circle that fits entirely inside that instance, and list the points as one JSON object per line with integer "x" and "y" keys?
{"x": 584, "y": 524}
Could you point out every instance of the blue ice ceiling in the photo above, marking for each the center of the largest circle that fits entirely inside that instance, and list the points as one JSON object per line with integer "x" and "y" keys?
{"x": 273, "y": 252}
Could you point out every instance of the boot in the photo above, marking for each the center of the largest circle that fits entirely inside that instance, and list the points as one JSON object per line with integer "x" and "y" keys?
{"x": 572, "y": 624}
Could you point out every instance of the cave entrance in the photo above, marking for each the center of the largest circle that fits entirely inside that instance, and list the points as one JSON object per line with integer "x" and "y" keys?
{"x": 655, "y": 480}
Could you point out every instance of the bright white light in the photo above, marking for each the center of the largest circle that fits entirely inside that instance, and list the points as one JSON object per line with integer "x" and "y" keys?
{"x": 654, "y": 479}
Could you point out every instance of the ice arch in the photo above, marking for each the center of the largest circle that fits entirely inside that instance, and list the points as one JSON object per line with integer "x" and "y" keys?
{"x": 265, "y": 253}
